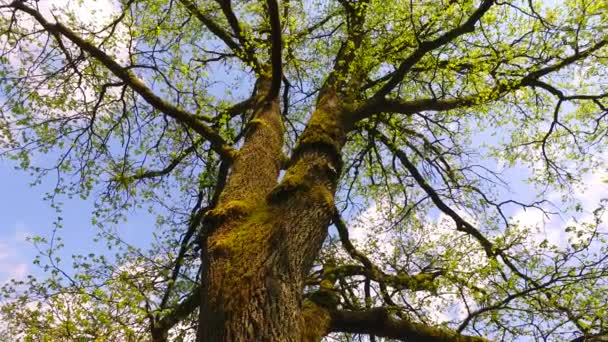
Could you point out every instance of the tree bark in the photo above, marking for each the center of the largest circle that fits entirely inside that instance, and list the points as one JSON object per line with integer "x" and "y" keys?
{"x": 266, "y": 235}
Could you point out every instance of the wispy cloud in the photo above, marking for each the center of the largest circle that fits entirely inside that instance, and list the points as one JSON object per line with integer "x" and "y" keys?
{"x": 21, "y": 232}
{"x": 553, "y": 228}
{"x": 13, "y": 259}
{"x": 12, "y": 265}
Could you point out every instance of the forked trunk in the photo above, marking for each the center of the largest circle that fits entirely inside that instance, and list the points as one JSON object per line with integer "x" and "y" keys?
{"x": 266, "y": 235}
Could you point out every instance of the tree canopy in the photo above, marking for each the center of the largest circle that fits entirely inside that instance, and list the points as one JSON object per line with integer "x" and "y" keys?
{"x": 350, "y": 169}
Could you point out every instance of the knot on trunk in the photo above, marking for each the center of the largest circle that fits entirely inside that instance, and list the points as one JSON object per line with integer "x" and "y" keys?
{"x": 229, "y": 211}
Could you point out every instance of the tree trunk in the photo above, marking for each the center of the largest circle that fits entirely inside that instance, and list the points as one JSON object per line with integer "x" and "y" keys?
{"x": 266, "y": 235}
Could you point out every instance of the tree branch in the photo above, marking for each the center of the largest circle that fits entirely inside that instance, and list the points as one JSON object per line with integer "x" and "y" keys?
{"x": 247, "y": 48}
{"x": 356, "y": 12}
{"x": 406, "y": 107}
{"x": 276, "y": 62}
{"x": 217, "y": 142}
{"x": 241, "y": 52}
{"x": 424, "y": 47}
{"x": 464, "y": 226}
{"x": 461, "y": 224}
{"x": 172, "y": 165}
{"x": 212, "y": 26}
{"x": 185, "y": 308}
{"x": 417, "y": 282}
{"x": 379, "y": 322}
{"x": 195, "y": 219}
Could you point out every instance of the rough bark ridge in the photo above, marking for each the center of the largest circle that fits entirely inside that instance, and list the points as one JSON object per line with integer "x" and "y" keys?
{"x": 265, "y": 235}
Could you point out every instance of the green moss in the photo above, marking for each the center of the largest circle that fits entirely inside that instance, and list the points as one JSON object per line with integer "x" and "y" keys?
{"x": 258, "y": 123}
{"x": 322, "y": 195}
{"x": 228, "y": 211}
{"x": 324, "y": 134}
{"x": 299, "y": 178}
{"x": 316, "y": 322}
{"x": 418, "y": 282}
{"x": 325, "y": 298}
{"x": 249, "y": 234}
{"x": 241, "y": 249}
{"x": 327, "y": 284}
{"x": 295, "y": 179}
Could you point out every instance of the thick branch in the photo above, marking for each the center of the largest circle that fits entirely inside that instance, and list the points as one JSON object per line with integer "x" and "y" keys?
{"x": 417, "y": 282}
{"x": 595, "y": 338}
{"x": 461, "y": 224}
{"x": 347, "y": 244}
{"x": 170, "y": 167}
{"x": 217, "y": 142}
{"x": 406, "y": 107}
{"x": 195, "y": 220}
{"x": 185, "y": 308}
{"x": 348, "y": 50}
{"x": 212, "y": 25}
{"x": 226, "y": 7}
{"x": 276, "y": 49}
{"x": 379, "y": 322}
{"x": 241, "y": 52}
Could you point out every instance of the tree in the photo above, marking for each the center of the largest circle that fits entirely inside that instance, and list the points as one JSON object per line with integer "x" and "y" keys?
{"x": 257, "y": 131}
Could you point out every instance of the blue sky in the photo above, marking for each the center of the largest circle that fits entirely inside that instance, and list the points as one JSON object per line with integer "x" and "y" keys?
{"x": 25, "y": 213}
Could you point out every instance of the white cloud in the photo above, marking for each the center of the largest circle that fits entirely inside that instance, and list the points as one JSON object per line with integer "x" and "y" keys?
{"x": 11, "y": 263}
{"x": 88, "y": 12}
{"x": 368, "y": 226}
{"x": 94, "y": 15}
{"x": 370, "y": 234}
{"x": 553, "y": 228}
{"x": 22, "y": 233}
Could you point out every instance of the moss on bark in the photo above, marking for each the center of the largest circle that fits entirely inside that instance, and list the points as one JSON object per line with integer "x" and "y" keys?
{"x": 316, "y": 322}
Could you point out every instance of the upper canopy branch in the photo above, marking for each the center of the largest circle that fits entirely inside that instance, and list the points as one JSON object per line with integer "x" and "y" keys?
{"x": 276, "y": 62}
{"x": 356, "y": 12}
{"x": 241, "y": 52}
{"x": 427, "y": 46}
{"x": 246, "y": 44}
{"x": 560, "y": 94}
{"x": 461, "y": 224}
{"x": 417, "y": 282}
{"x": 395, "y": 105}
{"x": 217, "y": 142}
{"x": 169, "y": 168}
{"x": 214, "y": 27}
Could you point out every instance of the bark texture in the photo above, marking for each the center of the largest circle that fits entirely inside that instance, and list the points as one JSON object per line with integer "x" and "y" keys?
{"x": 266, "y": 234}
